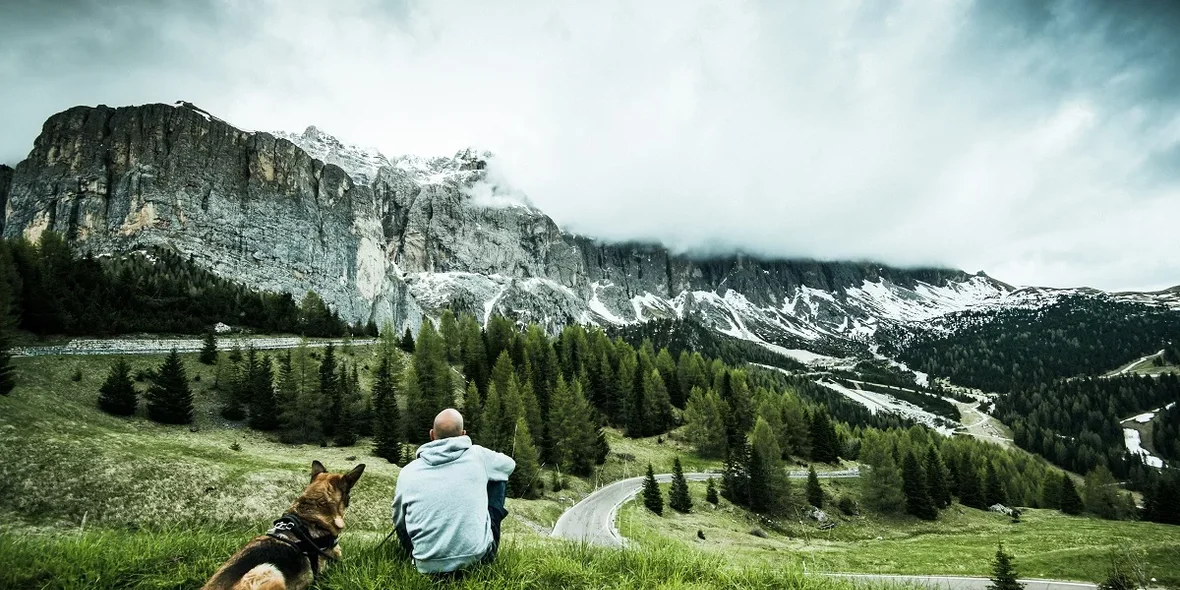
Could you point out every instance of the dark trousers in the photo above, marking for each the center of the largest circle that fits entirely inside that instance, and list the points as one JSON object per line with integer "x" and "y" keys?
{"x": 497, "y": 492}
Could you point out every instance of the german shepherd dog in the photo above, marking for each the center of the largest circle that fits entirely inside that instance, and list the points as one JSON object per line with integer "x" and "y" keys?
{"x": 288, "y": 556}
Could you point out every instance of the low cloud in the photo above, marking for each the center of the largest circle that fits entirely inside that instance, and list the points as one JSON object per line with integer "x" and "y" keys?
{"x": 1037, "y": 141}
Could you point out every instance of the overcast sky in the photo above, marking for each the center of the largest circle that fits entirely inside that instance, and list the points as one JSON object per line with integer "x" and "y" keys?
{"x": 1039, "y": 142}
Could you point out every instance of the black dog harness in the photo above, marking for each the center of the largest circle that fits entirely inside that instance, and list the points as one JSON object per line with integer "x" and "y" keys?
{"x": 312, "y": 549}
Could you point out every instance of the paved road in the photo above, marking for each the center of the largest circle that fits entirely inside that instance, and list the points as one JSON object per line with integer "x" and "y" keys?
{"x": 593, "y": 519}
{"x": 961, "y": 583}
{"x": 162, "y": 345}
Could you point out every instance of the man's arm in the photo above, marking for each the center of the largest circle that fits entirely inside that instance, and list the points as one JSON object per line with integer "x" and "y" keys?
{"x": 498, "y": 465}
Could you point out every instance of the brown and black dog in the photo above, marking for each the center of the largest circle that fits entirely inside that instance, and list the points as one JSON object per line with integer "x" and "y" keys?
{"x": 288, "y": 556}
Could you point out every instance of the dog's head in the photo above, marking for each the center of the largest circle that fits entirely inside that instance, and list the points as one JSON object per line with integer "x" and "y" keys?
{"x": 326, "y": 497}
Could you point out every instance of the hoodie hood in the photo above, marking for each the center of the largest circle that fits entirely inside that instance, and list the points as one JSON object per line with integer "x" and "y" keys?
{"x": 445, "y": 450}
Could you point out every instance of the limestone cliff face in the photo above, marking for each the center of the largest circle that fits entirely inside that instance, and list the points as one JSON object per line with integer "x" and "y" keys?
{"x": 397, "y": 239}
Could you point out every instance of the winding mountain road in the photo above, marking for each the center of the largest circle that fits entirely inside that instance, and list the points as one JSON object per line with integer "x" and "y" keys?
{"x": 593, "y": 519}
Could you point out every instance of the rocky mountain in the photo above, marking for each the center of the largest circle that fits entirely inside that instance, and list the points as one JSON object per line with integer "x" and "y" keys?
{"x": 399, "y": 239}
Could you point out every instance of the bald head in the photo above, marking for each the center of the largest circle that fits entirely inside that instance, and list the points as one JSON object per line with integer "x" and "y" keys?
{"x": 447, "y": 423}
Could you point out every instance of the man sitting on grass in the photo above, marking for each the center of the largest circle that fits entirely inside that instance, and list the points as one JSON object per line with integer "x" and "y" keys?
{"x": 450, "y": 500}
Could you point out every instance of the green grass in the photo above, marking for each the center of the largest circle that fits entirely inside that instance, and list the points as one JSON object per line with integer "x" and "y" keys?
{"x": 186, "y": 558}
{"x": 90, "y": 500}
{"x": 1047, "y": 544}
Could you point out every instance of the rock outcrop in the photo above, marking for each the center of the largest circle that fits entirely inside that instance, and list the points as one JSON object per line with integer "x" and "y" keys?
{"x": 399, "y": 239}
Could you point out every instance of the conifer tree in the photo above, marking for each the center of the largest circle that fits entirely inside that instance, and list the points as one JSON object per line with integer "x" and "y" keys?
{"x": 678, "y": 497}
{"x": 1004, "y": 572}
{"x": 117, "y": 394}
{"x": 824, "y": 446}
{"x": 387, "y": 430}
{"x": 264, "y": 411}
{"x": 652, "y": 499}
{"x": 994, "y": 489}
{"x": 970, "y": 487}
{"x": 301, "y": 418}
{"x": 770, "y": 490}
{"x": 1071, "y": 501}
{"x": 711, "y": 493}
{"x": 435, "y": 389}
{"x": 917, "y": 495}
{"x": 704, "y": 415}
{"x": 493, "y": 428}
{"x": 346, "y": 426}
{"x": 472, "y": 409}
{"x": 475, "y": 358}
{"x": 209, "y": 349}
{"x": 881, "y": 484}
{"x": 815, "y": 494}
{"x": 735, "y": 479}
{"x": 936, "y": 478}
{"x": 573, "y": 429}
{"x": 452, "y": 341}
{"x": 522, "y": 483}
{"x": 407, "y": 343}
{"x": 169, "y": 399}
{"x": 330, "y": 390}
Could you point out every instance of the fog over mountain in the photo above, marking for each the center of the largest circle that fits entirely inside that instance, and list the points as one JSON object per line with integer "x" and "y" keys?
{"x": 1037, "y": 143}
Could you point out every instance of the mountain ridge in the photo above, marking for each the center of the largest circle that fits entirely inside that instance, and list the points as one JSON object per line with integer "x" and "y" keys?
{"x": 400, "y": 239}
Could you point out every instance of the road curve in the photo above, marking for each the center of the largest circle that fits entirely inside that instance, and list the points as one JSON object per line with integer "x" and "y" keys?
{"x": 593, "y": 519}
{"x": 961, "y": 583}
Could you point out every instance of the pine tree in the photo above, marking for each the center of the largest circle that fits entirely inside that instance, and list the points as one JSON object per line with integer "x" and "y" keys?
{"x": 824, "y": 446}
{"x": 475, "y": 360}
{"x": 387, "y": 430}
{"x": 117, "y": 394}
{"x": 994, "y": 489}
{"x": 735, "y": 479}
{"x": 169, "y": 399}
{"x": 936, "y": 478}
{"x": 346, "y": 427}
{"x": 678, "y": 497}
{"x": 1071, "y": 502}
{"x": 815, "y": 494}
{"x": 209, "y": 350}
{"x": 300, "y": 419}
{"x": 572, "y": 429}
{"x": 704, "y": 415}
{"x": 881, "y": 485}
{"x": 330, "y": 390}
{"x": 770, "y": 490}
{"x": 493, "y": 427}
{"x": 452, "y": 340}
{"x": 917, "y": 495}
{"x": 711, "y": 493}
{"x": 472, "y": 409}
{"x": 407, "y": 343}
{"x": 264, "y": 411}
{"x": 522, "y": 483}
{"x": 434, "y": 389}
{"x": 970, "y": 487}
{"x": 652, "y": 499}
{"x": 1004, "y": 572}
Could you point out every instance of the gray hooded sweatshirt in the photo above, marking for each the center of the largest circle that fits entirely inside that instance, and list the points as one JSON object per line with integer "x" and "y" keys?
{"x": 442, "y": 502}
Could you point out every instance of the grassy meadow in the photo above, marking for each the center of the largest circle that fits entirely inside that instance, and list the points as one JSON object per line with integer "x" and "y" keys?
{"x": 89, "y": 500}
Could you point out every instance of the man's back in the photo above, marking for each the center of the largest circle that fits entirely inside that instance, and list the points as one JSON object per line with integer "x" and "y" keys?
{"x": 441, "y": 502}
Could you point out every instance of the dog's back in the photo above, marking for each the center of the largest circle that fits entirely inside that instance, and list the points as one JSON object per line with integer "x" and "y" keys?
{"x": 263, "y": 564}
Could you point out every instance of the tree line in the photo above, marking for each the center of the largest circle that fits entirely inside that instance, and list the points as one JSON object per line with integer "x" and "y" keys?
{"x": 157, "y": 290}
{"x": 1075, "y": 423}
{"x": 1016, "y": 349}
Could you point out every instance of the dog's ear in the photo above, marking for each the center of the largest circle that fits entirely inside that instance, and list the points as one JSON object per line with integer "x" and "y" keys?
{"x": 316, "y": 469}
{"x": 350, "y": 478}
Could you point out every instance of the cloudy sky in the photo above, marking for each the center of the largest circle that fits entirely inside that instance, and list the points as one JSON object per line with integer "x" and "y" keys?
{"x": 1037, "y": 141}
